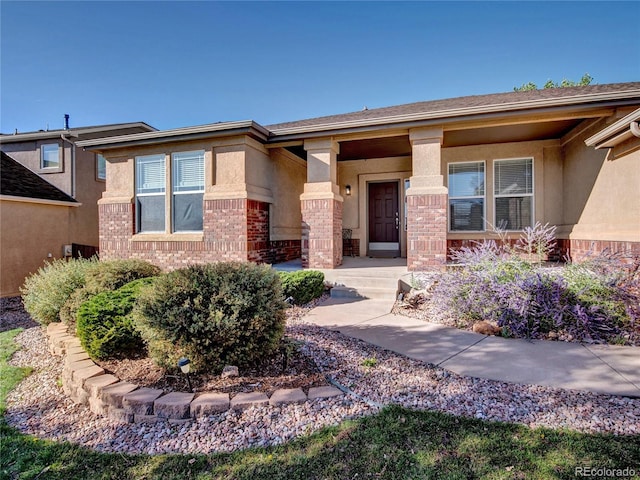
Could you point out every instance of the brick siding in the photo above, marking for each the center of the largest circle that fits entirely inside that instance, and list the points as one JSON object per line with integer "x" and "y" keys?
{"x": 233, "y": 229}
{"x": 578, "y": 250}
{"x": 426, "y": 231}
{"x": 321, "y": 233}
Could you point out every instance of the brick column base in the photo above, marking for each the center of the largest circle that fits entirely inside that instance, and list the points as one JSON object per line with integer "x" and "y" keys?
{"x": 426, "y": 231}
{"x": 321, "y": 233}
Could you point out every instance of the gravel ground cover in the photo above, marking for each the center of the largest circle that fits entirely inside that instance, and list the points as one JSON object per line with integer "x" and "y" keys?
{"x": 38, "y": 406}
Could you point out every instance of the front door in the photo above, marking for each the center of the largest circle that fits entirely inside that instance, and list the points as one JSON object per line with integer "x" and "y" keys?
{"x": 384, "y": 220}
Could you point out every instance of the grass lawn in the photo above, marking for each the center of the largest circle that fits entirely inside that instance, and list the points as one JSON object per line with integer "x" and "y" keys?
{"x": 395, "y": 444}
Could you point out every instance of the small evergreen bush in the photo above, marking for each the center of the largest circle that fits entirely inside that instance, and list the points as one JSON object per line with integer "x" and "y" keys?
{"x": 227, "y": 313}
{"x": 105, "y": 276}
{"x": 105, "y": 326}
{"x": 46, "y": 291}
{"x": 113, "y": 274}
{"x": 302, "y": 285}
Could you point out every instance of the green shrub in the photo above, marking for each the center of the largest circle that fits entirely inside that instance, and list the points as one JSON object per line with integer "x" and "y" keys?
{"x": 105, "y": 276}
{"x": 302, "y": 285}
{"x": 45, "y": 292}
{"x": 215, "y": 314}
{"x": 599, "y": 286}
{"x": 113, "y": 274}
{"x": 69, "y": 310}
{"x": 105, "y": 326}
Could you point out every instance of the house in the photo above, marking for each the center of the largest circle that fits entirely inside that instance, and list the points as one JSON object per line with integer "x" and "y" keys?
{"x": 48, "y": 198}
{"x": 411, "y": 181}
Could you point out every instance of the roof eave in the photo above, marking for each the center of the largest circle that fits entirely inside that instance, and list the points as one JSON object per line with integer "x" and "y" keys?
{"x": 246, "y": 127}
{"x": 574, "y": 103}
{"x": 72, "y": 132}
{"x": 615, "y": 133}
{"x": 44, "y": 201}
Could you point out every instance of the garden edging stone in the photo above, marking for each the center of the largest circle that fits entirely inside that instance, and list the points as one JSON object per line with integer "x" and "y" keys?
{"x": 88, "y": 384}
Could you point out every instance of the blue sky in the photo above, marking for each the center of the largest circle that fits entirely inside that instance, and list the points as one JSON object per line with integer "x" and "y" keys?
{"x": 176, "y": 64}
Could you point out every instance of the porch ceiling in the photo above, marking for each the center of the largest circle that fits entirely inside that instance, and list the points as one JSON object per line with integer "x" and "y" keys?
{"x": 399, "y": 146}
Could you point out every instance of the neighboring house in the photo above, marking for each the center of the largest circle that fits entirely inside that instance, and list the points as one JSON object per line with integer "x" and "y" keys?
{"x": 411, "y": 180}
{"x": 48, "y": 200}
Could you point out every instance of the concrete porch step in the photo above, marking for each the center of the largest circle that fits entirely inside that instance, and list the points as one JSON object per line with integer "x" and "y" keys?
{"x": 390, "y": 283}
{"x": 363, "y": 292}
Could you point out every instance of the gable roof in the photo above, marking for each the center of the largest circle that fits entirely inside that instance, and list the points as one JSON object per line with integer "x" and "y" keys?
{"x": 433, "y": 112}
{"x": 18, "y": 181}
{"x": 469, "y": 105}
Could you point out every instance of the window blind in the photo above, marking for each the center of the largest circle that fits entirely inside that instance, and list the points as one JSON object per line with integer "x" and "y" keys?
{"x": 150, "y": 174}
{"x": 513, "y": 177}
{"x": 188, "y": 172}
{"x": 466, "y": 179}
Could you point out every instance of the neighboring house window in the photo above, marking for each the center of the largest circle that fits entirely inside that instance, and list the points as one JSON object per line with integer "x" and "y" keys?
{"x": 513, "y": 181}
{"x": 187, "y": 189}
{"x": 150, "y": 193}
{"x": 466, "y": 196}
{"x": 101, "y": 167}
{"x": 50, "y": 156}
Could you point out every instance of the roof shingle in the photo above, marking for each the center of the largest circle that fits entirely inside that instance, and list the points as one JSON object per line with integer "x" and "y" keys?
{"x": 18, "y": 181}
{"x": 445, "y": 105}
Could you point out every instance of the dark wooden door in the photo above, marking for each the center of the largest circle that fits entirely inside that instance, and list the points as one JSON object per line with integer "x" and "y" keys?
{"x": 384, "y": 220}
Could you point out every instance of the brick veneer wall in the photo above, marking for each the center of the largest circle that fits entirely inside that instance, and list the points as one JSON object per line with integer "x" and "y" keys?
{"x": 578, "y": 250}
{"x": 426, "y": 231}
{"x": 233, "y": 229}
{"x": 117, "y": 224}
{"x": 321, "y": 233}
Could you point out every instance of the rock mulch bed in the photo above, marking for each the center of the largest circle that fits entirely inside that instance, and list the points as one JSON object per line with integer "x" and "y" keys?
{"x": 88, "y": 384}
{"x": 38, "y": 406}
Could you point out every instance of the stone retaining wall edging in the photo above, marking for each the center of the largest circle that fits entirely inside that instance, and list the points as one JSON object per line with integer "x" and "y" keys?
{"x": 106, "y": 395}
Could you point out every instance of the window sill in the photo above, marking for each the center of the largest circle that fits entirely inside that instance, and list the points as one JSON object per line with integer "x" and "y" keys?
{"x": 168, "y": 237}
{"x": 51, "y": 170}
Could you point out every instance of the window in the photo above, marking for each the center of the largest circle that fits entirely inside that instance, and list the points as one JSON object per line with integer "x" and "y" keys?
{"x": 513, "y": 180}
{"x": 187, "y": 188}
{"x": 150, "y": 193}
{"x": 466, "y": 196}
{"x": 50, "y": 156}
{"x": 101, "y": 167}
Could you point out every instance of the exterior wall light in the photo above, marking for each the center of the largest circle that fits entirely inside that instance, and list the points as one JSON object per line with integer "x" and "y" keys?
{"x": 347, "y": 189}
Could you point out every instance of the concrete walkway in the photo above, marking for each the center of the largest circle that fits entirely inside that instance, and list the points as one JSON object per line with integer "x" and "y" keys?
{"x": 605, "y": 369}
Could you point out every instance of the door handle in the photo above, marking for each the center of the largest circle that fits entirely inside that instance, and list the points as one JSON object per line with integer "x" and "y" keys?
{"x": 397, "y": 222}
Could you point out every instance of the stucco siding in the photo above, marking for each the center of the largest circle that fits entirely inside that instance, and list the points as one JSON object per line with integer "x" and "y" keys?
{"x": 26, "y": 245}
{"x": 601, "y": 193}
{"x": 288, "y": 178}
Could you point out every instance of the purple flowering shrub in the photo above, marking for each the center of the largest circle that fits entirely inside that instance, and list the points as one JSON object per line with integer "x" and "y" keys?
{"x": 594, "y": 301}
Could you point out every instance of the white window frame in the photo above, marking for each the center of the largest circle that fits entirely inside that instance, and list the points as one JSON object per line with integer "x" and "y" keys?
{"x": 56, "y": 168}
{"x": 532, "y": 194}
{"x": 184, "y": 192}
{"x": 470, "y": 197}
{"x": 138, "y": 194}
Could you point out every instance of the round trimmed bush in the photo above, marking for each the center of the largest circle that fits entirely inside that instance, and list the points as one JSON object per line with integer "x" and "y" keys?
{"x": 105, "y": 276}
{"x": 113, "y": 274}
{"x": 105, "y": 326}
{"x": 215, "y": 314}
{"x": 302, "y": 285}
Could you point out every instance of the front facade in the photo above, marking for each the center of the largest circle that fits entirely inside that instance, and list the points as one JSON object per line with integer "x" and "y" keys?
{"x": 411, "y": 181}
{"x": 36, "y": 224}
